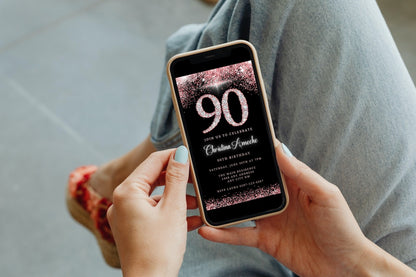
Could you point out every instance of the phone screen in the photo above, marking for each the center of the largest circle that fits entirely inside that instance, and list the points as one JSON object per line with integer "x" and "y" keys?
{"x": 230, "y": 142}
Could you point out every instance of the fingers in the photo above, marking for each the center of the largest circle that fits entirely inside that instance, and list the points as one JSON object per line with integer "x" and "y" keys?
{"x": 194, "y": 222}
{"x": 146, "y": 175}
{"x": 191, "y": 202}
{"x": 110, "y": 214}
{"x": 161, "y": 181}
{"x": 313, "y": 184}
{"x": 177, "y": 174}
{"x": 238, "y": 236}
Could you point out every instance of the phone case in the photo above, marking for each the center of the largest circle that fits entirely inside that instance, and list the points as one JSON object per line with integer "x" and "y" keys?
{"x": 184, "y": 137}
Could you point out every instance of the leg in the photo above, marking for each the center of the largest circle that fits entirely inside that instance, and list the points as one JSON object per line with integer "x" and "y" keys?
{"x": 111, "y": 174}
{"x": 90, "y": 189}
{"x": 341, "y": 98}
{"x": 345, "y": 103}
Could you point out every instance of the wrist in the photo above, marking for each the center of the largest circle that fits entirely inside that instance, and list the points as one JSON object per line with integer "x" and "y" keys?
{"x": 374, "y": 261}
{"x": 369, "y": 262}
{"x": 149, "y": 267}
{"x": 149, "y": 271}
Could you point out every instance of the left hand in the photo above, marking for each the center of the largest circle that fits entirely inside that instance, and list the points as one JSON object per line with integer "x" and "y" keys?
{"x": 150, "y": 231}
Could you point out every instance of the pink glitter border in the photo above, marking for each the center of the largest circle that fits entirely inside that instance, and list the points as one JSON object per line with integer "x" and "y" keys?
{"x": 241, "y": 73}
{"x": 242, "y": 196}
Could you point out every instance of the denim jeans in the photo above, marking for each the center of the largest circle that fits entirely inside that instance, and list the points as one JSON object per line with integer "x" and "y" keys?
{"x": 341, "y": 99}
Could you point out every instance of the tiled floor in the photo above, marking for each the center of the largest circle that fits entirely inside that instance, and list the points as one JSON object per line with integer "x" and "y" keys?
{"x": 78, "y": 84}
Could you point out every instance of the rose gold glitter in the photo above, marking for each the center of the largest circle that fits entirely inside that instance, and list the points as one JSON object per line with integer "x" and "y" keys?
{"x": 226, "y": 110}
{"x": 242, "y": 196}
{"x": 240, "y": 75}
{"x": 204, "y": 114}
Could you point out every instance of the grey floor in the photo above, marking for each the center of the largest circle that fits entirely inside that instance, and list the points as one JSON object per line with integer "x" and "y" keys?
{"x": 78, "y": 84}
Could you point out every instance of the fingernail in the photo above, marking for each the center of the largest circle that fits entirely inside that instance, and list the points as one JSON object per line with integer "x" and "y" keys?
{"x": 181, "y": 154}
{"x": 286, "y": 150}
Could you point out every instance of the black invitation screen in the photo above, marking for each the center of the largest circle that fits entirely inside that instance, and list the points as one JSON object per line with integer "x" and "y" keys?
{"x": 227, "y": 129}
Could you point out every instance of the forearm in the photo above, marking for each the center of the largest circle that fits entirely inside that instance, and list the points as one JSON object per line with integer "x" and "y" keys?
{"x": 377, "y": 262}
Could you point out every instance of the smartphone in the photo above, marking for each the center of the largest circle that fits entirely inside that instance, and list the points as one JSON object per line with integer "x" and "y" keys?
{"x": 222, "y": 110}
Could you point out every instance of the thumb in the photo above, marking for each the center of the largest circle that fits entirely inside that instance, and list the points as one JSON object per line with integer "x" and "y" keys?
{"x": 177, "y": 174}
{"x": 313, "y": 184}
{"x": 247, "y": 236}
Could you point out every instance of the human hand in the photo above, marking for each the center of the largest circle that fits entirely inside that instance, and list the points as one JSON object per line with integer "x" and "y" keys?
{"x": 317, "y": 235}
{"x": 150, "y": 231}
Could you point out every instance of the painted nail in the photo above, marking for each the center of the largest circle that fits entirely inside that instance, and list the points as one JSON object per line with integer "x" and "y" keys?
{"x": 286, "y": 150}
{"x": 181, "y": 154}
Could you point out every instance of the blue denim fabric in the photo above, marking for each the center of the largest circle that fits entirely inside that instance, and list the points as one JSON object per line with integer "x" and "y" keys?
{"x": 341, "y": 99}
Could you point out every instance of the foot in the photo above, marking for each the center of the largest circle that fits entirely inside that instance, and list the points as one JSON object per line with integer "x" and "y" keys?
{"x": 103, "y": 181}
{"x": 89, "y": 208}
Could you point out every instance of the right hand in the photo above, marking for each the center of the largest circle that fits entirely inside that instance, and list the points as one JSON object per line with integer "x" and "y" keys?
{"x": 317, "y": 235}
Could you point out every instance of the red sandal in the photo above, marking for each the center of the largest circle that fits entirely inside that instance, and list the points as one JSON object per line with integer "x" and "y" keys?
{"x": 90, "y": 209}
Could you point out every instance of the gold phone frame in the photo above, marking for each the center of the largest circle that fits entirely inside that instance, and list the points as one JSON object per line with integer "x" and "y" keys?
{"x": 184, "y": 138}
